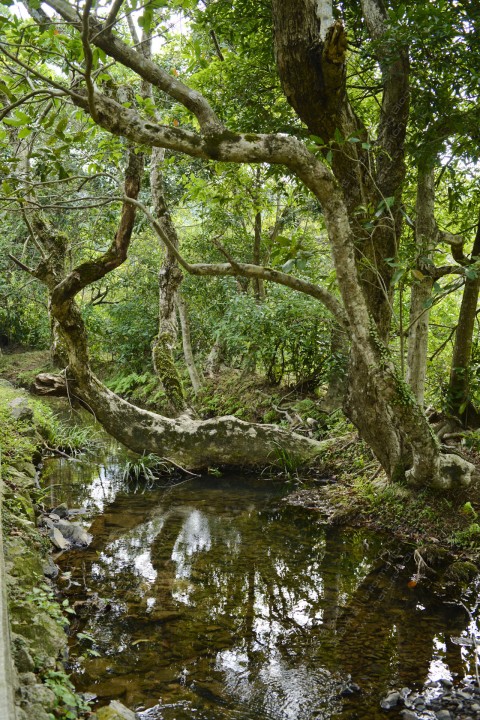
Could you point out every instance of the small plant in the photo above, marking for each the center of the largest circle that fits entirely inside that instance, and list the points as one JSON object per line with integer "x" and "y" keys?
{"x": 73, "y": 438}
{"x": 289, "y": 462}
{"x": 69, "y": 705}
{"x": 467, "y": 538}
{"x": 44, "y": 599}
{"x": 145, "y": 471}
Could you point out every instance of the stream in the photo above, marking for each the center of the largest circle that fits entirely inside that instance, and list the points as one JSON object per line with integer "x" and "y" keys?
{"x": 215, "y": 600}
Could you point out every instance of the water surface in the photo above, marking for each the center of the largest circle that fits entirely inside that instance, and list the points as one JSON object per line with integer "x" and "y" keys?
{"x": 215, "y": 600}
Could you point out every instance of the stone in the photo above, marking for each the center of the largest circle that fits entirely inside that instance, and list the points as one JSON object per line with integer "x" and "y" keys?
{"x": 58, "y": 540}
{"x": 408, "y": 715}
{"x": 390, "y": 701}
{"x": 28, "y": 678}
{"x": 443, "y": 715}
{"x": 115, "y": 711}
{"x": 50, "y": 569}
{"x": 36, "y": 711}
{"x": 61, "y": 510}
{"x": 49, "y": 384}
{"x": 20, "y": 651}
{"x": 41, "y": 695}
{"x": 73, "y": 532}
{"x": 20, "y": 409}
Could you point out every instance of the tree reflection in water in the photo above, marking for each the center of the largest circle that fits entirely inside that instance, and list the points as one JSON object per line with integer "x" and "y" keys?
{"x": 213, "y": 600}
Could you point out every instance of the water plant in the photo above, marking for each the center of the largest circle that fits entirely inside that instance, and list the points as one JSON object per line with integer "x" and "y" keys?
{"x": 144, "y": 471}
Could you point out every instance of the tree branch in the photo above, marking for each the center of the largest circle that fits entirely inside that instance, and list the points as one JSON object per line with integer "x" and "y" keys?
{"x": 93, "y": 270}
{"x": 148, "y": 70}
{"x": 234, "y": 268}
{"x": 87, "y": 52}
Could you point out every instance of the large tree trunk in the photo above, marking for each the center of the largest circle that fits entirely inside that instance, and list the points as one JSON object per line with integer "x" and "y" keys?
{"x": 191, "y": 443}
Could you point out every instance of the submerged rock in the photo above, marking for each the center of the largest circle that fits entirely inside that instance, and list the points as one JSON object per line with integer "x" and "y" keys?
{"x": 73, "y": 532}
{"x": 390, "y": 701}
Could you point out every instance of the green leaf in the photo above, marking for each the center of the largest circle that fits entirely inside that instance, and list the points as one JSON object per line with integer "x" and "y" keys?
{"x": 24, "y": 132}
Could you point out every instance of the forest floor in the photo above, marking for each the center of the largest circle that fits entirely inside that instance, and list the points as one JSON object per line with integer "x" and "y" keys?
{"x": 349, "y": 487}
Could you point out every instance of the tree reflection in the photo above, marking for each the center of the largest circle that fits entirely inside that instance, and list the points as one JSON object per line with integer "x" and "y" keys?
{"x": 218, "y": 601}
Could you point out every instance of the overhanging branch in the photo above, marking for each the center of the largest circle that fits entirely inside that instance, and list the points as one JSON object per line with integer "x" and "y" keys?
{"x": 234, "y": 268}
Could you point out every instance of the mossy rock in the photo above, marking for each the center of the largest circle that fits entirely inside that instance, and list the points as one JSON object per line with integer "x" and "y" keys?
{"x": 435, "y": 556}
{"x": 23, "y": 563}
{"x": 460, "y": 573}
{"x": 45, "y": 637}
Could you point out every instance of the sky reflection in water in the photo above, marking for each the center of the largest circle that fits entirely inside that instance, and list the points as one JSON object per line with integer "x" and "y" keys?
{"x": 214, "y": 600}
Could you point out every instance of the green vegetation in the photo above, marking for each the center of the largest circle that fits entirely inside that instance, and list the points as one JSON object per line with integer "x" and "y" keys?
{"x": 39, "y": 619}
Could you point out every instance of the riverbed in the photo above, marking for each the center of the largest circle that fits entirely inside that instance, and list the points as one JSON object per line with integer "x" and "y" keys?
{"x": 214, "y": 599}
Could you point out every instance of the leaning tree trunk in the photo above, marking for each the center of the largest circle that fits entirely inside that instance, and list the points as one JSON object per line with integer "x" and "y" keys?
{"x": 459, "y": 400}
{"x": 190, "y": 443}
{"x": 194, "y": 444}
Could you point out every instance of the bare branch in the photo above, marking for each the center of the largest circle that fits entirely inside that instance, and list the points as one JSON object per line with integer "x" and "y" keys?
{"x": 22, "y": 265}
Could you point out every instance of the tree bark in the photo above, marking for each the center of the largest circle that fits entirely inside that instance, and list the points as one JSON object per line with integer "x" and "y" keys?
{"x": 426, "y": 235}
{"x": 459, "y": 399}
{"x": 169, "y": 279}
{"x": 195, "y": 378}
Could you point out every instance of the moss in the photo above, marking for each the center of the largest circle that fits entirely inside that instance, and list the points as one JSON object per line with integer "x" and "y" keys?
{"x": 460, "y": 573}
{"x": 213, "y": 142}
{"x": 37, "y": 619}
{"x": 168, "y": 373}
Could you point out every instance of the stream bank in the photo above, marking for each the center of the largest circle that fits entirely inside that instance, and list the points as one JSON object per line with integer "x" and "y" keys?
{"x": 38, "y": 621}
{"x": 216, "y": 599}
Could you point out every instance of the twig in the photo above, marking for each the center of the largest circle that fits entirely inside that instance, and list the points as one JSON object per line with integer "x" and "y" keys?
{"x": 188, "y": 472}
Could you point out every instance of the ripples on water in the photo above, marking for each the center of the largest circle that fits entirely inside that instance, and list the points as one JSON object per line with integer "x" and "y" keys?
{"x": 213, "y": 600}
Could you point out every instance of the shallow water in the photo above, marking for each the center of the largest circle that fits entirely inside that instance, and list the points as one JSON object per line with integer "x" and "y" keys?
{"x": 215, "y": 600}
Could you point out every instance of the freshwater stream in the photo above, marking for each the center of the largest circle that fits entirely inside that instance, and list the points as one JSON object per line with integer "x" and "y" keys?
{"x": 215, "y": 600}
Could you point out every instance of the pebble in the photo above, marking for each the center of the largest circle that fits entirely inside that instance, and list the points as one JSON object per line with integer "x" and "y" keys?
{"x": 390, "y": 701}
{"x": 451, "y": 703}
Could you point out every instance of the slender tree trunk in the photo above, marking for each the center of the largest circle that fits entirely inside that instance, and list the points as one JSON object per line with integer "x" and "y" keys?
{"x": 426, "y": 239}
{"x": 459, "y": 401}
{"x": 195, "y": 378}
{"x": 214, "y": 359}
{"x": 257, "y": 246}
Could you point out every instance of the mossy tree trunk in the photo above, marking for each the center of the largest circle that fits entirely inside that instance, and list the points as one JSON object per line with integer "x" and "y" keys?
{"x": 426, "y": 236}
{"x": 169, "y": 279}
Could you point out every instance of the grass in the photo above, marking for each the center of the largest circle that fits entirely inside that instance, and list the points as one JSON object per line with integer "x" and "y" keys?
{"x": 143, "y": 472}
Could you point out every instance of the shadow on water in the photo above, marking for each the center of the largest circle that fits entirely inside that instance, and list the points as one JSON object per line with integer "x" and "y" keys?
{"x": 214, "y": 600}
